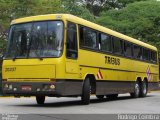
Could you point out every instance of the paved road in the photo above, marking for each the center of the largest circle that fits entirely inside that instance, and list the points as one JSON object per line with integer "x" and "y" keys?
{"x": 123, "y": 104}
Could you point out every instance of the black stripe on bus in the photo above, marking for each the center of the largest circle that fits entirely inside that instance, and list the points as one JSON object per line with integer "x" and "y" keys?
{"x": 114, "y": 69}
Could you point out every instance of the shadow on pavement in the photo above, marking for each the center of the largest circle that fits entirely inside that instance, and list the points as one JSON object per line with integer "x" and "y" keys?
{"x": 78, "y": 102}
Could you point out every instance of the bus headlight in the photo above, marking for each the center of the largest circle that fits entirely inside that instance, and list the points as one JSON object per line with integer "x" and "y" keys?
{"x": 6, "y": 86}
{"x": 10, "y": 87}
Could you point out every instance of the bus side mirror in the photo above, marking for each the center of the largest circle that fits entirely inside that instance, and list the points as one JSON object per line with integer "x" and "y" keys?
{"x": 2, "y": 55}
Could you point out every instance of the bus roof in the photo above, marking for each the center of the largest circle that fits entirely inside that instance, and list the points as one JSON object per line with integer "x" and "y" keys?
{"x": 84, "y": 22}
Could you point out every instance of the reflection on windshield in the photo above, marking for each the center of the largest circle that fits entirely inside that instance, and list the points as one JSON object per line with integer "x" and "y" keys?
{"x": 37, "y": 39}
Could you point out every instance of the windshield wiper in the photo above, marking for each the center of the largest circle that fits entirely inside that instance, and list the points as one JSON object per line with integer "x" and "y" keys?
{"x": 35, "y": 51}
{"x": 39, "y": 56}
{"x": 14, "y": 58}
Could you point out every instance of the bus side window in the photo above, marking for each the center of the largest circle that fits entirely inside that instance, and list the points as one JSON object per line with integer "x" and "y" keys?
{"x": 88, "y": 38}
{"x": 127, "y": 49}
{"x": 137, "y": 52}
{"x": 105, "y": 41}
{"x": 153, "y": 57}
{"x": 146, "y": 54}
{"x": 72, "y": 47}
{"x": 117, "y": 46}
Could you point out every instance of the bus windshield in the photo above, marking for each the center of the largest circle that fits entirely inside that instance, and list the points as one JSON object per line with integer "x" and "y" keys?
{"x": 35, "y": 39}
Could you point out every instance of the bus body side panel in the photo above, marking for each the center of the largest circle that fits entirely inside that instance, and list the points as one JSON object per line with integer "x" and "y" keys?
{"x": 112, "y": 77}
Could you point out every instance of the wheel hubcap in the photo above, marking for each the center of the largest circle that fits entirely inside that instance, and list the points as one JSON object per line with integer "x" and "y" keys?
{"x": 137, "y": 89}
{"x": 144, "y": 88}
{"x": 90, "y": 90}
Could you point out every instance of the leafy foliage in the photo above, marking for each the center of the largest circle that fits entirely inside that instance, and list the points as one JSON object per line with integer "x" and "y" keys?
{"x": 75, "y": 8}
{"x": 12, "y": 9}
{"x": 140, "y": 20}
{"x": 137, "y": 19}
{"x": 97, "y": 6}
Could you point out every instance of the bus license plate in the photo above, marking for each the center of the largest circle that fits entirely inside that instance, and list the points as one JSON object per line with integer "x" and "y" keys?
{"x": 26, "y": 88}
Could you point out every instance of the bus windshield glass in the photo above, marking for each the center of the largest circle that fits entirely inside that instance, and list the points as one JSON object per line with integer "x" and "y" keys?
{"x": 35, "y": 39}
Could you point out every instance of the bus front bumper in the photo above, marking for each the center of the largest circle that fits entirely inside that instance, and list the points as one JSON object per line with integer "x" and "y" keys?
{"x": 60, "y": 88}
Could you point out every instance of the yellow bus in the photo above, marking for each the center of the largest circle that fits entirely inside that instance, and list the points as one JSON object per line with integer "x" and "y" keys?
{"x": 63, "y": 55}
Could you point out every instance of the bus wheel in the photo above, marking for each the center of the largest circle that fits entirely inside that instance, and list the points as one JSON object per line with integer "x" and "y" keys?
{"x": 143, "y": 90}
{"x": 40, "y": 99}
{"x": 86, "y": 91}
{"x": 136, "y": 92}
{"x": 100, "y": 96}
{"x": 112, "y": 96}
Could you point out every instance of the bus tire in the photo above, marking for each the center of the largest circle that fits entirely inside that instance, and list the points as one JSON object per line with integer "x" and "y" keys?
{"x": 40, "y": 99}
{"x": 112, "y": 96}
{"x": 100, "y": 96}
{"x": 86, "y": 91}
{"x": 143, "y": 89}
{"x": 136, "y": 92}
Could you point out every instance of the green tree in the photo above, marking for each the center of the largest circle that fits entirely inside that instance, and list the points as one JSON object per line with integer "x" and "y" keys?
{"x": 140, "y": 20}
{"x": 12, "y": 9}
{"x": 75, "y": 7}
{"x": 97, "y": 6}
{"x": 5, "y": 12}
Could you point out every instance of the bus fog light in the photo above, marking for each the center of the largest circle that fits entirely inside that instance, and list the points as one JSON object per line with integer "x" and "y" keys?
{"x": 45, "y": 86}
{"x": 52, "y": 86}
{"x": 38, "y": 89}
{"x": 14, "y": 89}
